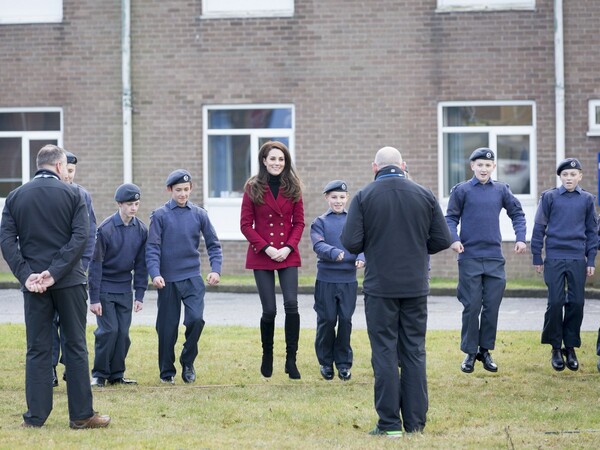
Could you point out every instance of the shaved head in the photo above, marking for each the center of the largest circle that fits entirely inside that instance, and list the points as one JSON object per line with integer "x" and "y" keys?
{"x": 388, "y": 156}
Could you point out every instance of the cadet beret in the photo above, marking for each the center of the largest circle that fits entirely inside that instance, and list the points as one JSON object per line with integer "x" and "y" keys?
{"x": 71, "y": 158}
{"x": 127, "y": 193}
{"x": 569, "y": 163}
{"x": 482, "y": 153}
{"x": 178, "y": 176}
{"x": 336, "y": 185}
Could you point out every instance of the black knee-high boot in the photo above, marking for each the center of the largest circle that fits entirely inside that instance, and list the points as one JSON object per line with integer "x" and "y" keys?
{"x": 292, "y": 333}
{"x": 267, "y": 329}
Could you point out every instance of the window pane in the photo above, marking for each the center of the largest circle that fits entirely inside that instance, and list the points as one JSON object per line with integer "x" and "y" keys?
{"x": 250, "y": 118}
{"x": 228, "y": 165}
{"x": 513, "y": 163}
{"x": 30, "y": 121}
{"x": 34, "y": 148}
{"x": 492, "y": 115}
{"x": 10, "y": 169}
{"x": 597, "y": 115}
{"x": 457, "y": 149}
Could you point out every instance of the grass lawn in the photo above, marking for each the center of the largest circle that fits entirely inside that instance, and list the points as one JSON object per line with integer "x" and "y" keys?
{"x": 525, "y": 405}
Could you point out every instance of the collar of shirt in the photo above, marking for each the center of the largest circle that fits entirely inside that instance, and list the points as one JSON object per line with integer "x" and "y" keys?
{"x": 172, "y": 204}
{"x": 331, "y": 211}
{"x": 390, "y": 171}
{"x": 475, "y": 181}
{"x": 118, "y": 221}
{"x": 562, "y": 189}
{"x": 45, "y": 173}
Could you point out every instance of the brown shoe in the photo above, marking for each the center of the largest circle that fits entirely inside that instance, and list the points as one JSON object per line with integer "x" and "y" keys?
{"x": 96, "y": 421}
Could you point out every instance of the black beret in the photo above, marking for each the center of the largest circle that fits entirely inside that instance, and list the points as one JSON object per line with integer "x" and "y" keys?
{"x": 336, "y": 185}
{"x": 71, "y": 158}
{"x": 482, "y": 153}
{"x": 569, "y": 163}
{"x": 127, "y": 193}
{"x": 178, "y": 176}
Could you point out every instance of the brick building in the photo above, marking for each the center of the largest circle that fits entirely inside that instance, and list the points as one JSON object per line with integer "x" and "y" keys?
{"x": 208, "y": 81}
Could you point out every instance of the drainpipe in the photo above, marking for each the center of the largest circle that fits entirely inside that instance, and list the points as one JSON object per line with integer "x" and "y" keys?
{"x": 559, "y": 88}
{"x": 126, "y": 75}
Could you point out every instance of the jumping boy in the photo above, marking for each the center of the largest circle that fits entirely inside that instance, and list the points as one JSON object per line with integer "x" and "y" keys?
{"x": 336, "y": 285}
{"x": 566, "y": 222}
{"x": 477, "y": 204}
{"x": 120, "y": 250}
{"x": 173, "y": 261}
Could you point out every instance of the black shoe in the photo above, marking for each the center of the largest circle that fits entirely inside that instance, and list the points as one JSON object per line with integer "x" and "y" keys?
{"x": 468, "y": 365}
{"x": 292, "y": 370}
{"x": 557, "y": 360}
{"x": 168, "y": 380}
{"x": 344, "y": 374}
{"x": 571, "y": 357}
{"x": 326, "y": 372}
{"x": 54, "y": 377}
{"x": 188, "y": 374}
{"x": 598, "y": 365}
{"x": 488, "y": 362}
{"x": 122, "y": 381}
{"x": 98, "y": 382}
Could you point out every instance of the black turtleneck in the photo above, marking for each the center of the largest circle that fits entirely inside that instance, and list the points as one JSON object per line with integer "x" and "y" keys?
{"x": 274, "y": 183}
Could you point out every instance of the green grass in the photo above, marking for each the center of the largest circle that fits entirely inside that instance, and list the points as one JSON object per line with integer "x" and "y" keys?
{"x": 525, "y": 405}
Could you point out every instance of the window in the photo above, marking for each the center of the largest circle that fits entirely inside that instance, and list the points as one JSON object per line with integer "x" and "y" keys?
{"x": 22, "y": 133}
{"x": 594, "y": 118}
{"x": 31, "y": 11}
{"x": 244, "y": 8}
{"x": 232, "y": 137}
{"x": 508, "y": 128}
{"x": 483, "y": 5}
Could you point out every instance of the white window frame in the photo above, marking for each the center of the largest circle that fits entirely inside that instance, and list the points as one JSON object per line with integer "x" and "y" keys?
{"x": 215, "y": 9}
{"x": 593, "y": 125}
{"x": 484, "y": 5}
{"x": 28, "y": 136}
{"x": 225, "y": 212}
{"x": 31, "y": 11}
{"x": 528, "y": 201}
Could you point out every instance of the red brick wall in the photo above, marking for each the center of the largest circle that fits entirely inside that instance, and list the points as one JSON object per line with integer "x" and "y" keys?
{"x": 360, "y": 74}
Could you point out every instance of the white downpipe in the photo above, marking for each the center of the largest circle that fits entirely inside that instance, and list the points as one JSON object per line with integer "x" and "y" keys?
{"x": 559, "y": 89}
{"x": 126, "y": 73}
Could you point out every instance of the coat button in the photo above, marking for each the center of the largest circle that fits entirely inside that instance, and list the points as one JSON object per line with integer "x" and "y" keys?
{"x": 281, "y": 243}
{"x": 270, "y": 224}
{"x": 271, "y": 234}
{"x": 281, "y": 234}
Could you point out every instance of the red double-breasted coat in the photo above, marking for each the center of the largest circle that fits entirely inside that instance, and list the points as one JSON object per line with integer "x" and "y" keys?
{"x": 278, "y": 222}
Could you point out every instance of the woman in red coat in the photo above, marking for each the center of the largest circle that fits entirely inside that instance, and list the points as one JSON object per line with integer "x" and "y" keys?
{"x": 272, "y": 219}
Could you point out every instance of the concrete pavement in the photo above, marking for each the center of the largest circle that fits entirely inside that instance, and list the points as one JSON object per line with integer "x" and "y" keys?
{"x": 244, "y": 309}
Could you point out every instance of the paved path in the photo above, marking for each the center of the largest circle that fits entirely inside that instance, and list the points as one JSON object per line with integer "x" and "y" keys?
{"x": 244, "y": 309}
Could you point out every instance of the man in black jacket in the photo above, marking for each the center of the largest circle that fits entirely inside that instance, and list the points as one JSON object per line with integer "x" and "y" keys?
{"x": 43, "y": 234}
{"x": 396, "y": 223}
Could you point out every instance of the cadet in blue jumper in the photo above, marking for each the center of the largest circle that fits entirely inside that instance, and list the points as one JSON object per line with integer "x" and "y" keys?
{"x": 173, "y": 261}
{"x": 477, "y": 204}
{"x": 120, "y": 249}
{"x": 566, "y": 221}
{"x": 336, "y": 285}
{"x": 85, "y": 259}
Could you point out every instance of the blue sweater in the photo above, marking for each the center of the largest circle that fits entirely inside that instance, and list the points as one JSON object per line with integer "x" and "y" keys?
{"x": 477, "y": 207}
{"x": 173, "y": 244}
{"x": 566, "y": 222}
{"x": 119, "y": 250}
{"x": 325, "y": 234}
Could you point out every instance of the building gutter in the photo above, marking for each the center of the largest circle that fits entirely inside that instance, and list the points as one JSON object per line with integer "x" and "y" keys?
{"x": 559, "y": 77}
{"x": 126, "y": 98}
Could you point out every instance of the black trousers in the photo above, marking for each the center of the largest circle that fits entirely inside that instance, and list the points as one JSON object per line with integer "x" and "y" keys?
{"x": 564, "y": 312}
{"x": 39, "y": 313}
{"x": 112, "y": 335}
{"x": 334, "y": 304}
{"x": 190, "y": 292}
{"x": 265, "y": 283}
{"x": 397, "y": 328}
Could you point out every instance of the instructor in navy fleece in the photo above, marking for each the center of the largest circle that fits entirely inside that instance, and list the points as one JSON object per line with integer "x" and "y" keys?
{"x": 336, "y": 286}
{"x": 173, "y": 260}
{"x": 476, "y": 204}
{"x": 120, "y": 250}
{"x": 565, "y": 222}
